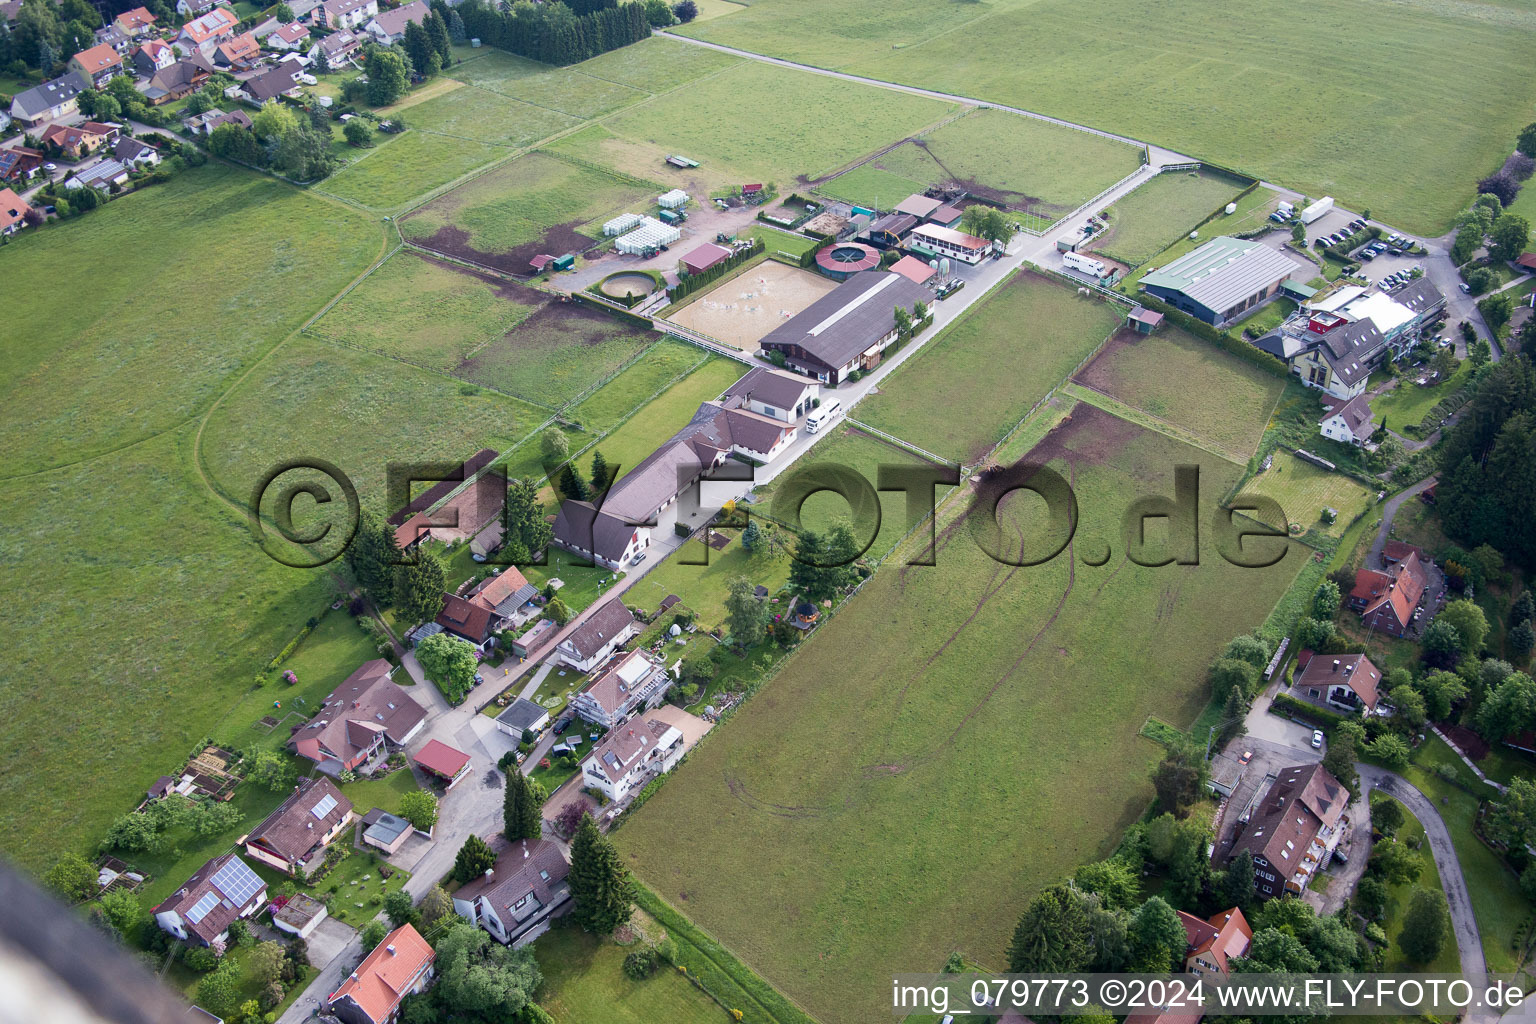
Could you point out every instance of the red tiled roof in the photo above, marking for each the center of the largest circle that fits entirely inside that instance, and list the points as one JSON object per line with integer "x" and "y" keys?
{"x": 1398, "y": 589}
{"x": 385, "y": 976}
{"x": 1396, "y": 551}
{"x": 98, "y": 58}
{"x": 12, "y": 208}
{"x": 439, "y": 758}
{"x": 1225, "y": 935}
{"x": 137, "y": 18}
{"x": 705, "y": 256}
{"x": 1527, "y": 259}
{"x": 913, "y": 269}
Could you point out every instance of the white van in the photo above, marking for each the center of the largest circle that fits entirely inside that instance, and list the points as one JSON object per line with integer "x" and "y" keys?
{"x": 822, "y": 415}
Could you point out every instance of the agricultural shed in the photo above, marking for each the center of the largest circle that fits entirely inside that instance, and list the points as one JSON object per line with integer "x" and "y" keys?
{"x": 705, "y": 256}
{"x": 1221, "y": 279}
{"x": 622, "y": 223}
{"x": 649, "y": 234}
{"x": 914, "y": 269}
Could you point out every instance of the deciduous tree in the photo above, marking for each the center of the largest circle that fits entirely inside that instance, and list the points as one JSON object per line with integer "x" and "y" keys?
{"x": 745, "y": 615}
{"x": 1425, "y": 925}
{"x": 420, "y": 809}
{"x": 449, "y": 662}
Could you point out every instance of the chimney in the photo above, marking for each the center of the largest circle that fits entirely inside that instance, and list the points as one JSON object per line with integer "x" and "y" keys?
{"x": 1335, "y": 664}
{"x": 489, "y": 872}
{"x": 525, "y": 849}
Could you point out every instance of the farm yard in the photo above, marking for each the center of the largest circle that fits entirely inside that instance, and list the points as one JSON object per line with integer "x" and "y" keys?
{"x": 887, "y": 774}
{"x": 1021, "y": 341}
{"x": 742, "y": 309}
{"x": 783, "y": 141}
{"x": 1020, "y": 162}
{"x": 1162, "y": 74}
{"x": 1161, "y": 211}
{"x": 1216, "y": 396}
{"x": 536, "y": 203}
{"x": 1303, "y": 490}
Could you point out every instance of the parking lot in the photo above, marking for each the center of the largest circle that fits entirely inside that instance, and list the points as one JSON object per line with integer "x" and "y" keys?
{"x": 1337, "y": 222}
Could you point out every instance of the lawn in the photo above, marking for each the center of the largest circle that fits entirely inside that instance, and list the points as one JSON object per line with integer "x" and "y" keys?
{"x": 1022, "y": 162}
{"x": 392, "y": 176}
{"x": 1021, "y": 341}
{"x": 876, "y": 745}
{"x": 775, "y": 240}
{"x": 359, "y": 411}
{"x": 1160, "y": 212}
{"x": 425, "y": 312}
{"x": 185, "y": 609}
{"x": 1252, "y": 213}
{"x": 641, "y": 434}
{"x": 1161, "y": 73}
{"x": 704, "y": 588}
{"x": 489, "y": 117}
{"x": 656, "y": 64}
{"x": 1411, "y": 835}
{"x": 872, "y": 186}
{"x": 536, "y": 203}
{"x": 812, "y": 126}
{"x": 98, "y": 374}
{"x": 666, "y": 363}
{"x": 1221, "y": 399}
{"x": 1406, "y": 404}
{"x": 585, "y": 983}
{"x": 1304, "y": 490}
{"x": 566, "y": 91}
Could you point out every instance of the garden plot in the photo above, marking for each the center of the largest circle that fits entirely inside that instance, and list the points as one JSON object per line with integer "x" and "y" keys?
{"x": 743, "y": 309}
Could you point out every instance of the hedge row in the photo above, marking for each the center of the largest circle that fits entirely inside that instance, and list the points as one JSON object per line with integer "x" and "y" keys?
{"x": 1311, "y": 712}
{"x": 1223, "y": 339}
{"x": 1341, "y": 251}
{"x": 693, "y": 282}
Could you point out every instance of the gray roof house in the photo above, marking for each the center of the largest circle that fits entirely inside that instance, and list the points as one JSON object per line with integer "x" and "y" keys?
{"x": 1222, "y": 279}
{"x": 271, "y": 84}
{"x": 49, "y": 101}
{"x": 846, "y": 329}
{"x": 515, "y": 899}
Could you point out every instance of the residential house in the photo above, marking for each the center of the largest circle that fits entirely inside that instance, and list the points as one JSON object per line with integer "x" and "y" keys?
{"x": 239, "y": 51}
{"x": 13, "y": 210}
{"x": 100, "y": 64}
{"x": 936, "y": 241}
{"x": 111, "y": 35}
{"x": 338, "y": 48}
{"x": 1222, "y": 280}
{"x": 207, "y": 31}
{"x": 771, "y": 393}
{"x": 51, "y": 101}
{"x": 81, "y": 140}
{"x": 361, "y": 720}
{"x": 507, "y": 594}
{"x": 180, "y": 79}
{"x": 347, "y": 14}
{"x": 1293, "y": 829}
{"x": 1349, "y": 422}
{"x": 136, "y": 23}
{"x": 193, "y": 8}
{"x": 152, "y": 55}
{"x": 847, "y": 329}
{"x": 218, "y": 894}
{"x": 388, "y": 27}
{"x": 1213, "y": 943}
{"x": 133, "y": 153}
{"x": 515, "y": 900}
{"x": 462, "y": 516}
{"x": 10, "y": 10}
{"x": 520, "y": 717}
{"x": 470, "y": 621}
{"x": 1340, "y": 682}
{"x": 630, "y": 756}
{"x": 282, "y": 80}
{"x": 1389, "y": 600}
{"x": 294, "y": 837}
{"x": 206, "y": 122}
{"x": 599, "y": 635}
{"x": 288, "y": 37}
{"x": 399, "y": 966}
{"x": 19, "y": 163}
{"x": 101, "y": 176}
{"x": 631, "y": 683}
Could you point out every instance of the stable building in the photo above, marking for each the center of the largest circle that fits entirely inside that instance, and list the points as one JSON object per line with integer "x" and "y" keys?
{"x": 933, "y": 240}
{"x": 1222, "y": 280}
{"x": 847, "y": 329}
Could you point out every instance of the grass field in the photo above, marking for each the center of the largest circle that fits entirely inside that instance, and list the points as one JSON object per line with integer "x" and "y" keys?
{"x": 1221, "y": 399}
{"x": 140, "y": 356}
{"x": 1161, "y": 74}
{"x": 1161, "y": 211}
{"x": 425, "y": 312}
{"x": 504, "y": 217}
{"x": 1252, "y": 212}
{"x": 1021, "y": 161}
{"x": 585, "y": 983}
{"x": 656, "y": 64}
{"x": 1407, "y": 404}
{"x": 1028, "y": 335}
{"x": 360, "y": 411}
{"x": 391, "y": 177}
{"x": 724, "y": 121}
{"x": 564, "y": 90}
{"x": 925, "y": 840}
{"x": 667, "y": 361}
{"x": 482, "y": 115}
{"x": 1304, "y": 490}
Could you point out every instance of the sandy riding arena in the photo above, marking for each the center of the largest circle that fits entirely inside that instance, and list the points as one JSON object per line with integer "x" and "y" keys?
{"x": 745, "y": 308}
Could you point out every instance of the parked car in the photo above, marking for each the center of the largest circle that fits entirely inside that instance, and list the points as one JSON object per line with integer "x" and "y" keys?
{"x": 1247, "y": 756}
{"x": 479, "y": 679}
{"x": 1317, "y": 739}
{"x": 639, "y": 557}
{"x": 563, "y": 723}
{"x": 1463, "y": 286}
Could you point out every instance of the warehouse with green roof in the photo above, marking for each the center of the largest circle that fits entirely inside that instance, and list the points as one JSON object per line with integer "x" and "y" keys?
{"x": 1222, "y": 280}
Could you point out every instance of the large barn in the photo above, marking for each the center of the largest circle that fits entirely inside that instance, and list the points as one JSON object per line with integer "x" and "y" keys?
{"x": 1222, "y": 279}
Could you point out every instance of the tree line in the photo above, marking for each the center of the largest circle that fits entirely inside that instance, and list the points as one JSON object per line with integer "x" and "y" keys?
{"x": 556, "y": 33}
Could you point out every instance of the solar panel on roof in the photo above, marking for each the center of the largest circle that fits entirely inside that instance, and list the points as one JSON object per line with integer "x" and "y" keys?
{"x": 325, "y": 806}
{"x": 237, "y": 882}
{"x": 201, "y": 908}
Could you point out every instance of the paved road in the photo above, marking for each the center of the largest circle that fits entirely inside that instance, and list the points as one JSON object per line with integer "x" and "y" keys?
{"x": 1389, "y": 510}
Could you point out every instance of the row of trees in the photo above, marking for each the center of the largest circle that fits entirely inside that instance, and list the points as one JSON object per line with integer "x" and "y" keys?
{"x": 557, "y": 33}
{"x": 374, "y": 557}
{"x": 283, "y": 138}
{"x": 1488, "y": 465}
